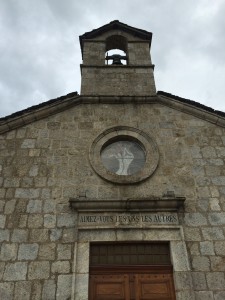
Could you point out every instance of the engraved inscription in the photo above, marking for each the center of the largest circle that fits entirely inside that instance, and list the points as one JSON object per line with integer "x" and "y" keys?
{"x": 128, "y": 219}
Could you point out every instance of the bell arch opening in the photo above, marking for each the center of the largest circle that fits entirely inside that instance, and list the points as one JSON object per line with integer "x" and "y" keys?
{"x": 116, "y": 50}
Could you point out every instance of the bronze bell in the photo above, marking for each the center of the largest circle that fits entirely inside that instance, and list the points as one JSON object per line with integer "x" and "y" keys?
{"x": 116, "y": 58}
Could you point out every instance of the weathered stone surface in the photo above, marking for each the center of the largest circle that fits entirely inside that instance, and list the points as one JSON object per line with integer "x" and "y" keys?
{"x": 22, "y": 290}
{"x": 28, "y": 251}
{"x": 64, "y": 284}
{"x": 15, "y": 271}
{"x": 220, "y": 180}
{"x": 6, "y": 289}
{"x": 49, "y": 206}
{"x": 36, "y": 289}
{"x": 100, "y": 235}
{"x": 213, "y": 233}
{"x": 217, "y": 218}
{"x": 219, "y": 247}
{"x": 207, "y": 248}
{"x": 39, "y": 270}
{"x": 66, "y": 220}
{"x": 49, "y": 221}
{"x": 8, "y": 252}
{"x": 199, "y": 281}
{"x": 81, "y": 286}
{"x": 47, "y": 251}
{"x": 28, "y": 143}
{"x": 179, "y": 257}
{"x": 194, "y": 248}
{"x": 219, "y": 295}
{"x": 215, "y": 280}
{"x": 214, "y": 204}
{"x": 2, "y": 203}
{"x": 83, "y": 264}
{"x": 39, "y": 235}
{"x": 192, "y": 234}
{"x": 27, "y": 194}
{"x": 4, "y": 235}
{"x": 60, "y": 267}
{"x": 34, "y": 206}
{"x": 49, "y": 289}
{"x": 23, "y": 221}
{"x": 55, "y": 234}
{"x": 69, "y": 235}
{"x": 33, "y": 171}
{"x": 19, "y": 235}
{"x": 185, "y": 295}
{"x": 128, "y": 234}
{"x": 208, "y": 152}
{"x": 195, "y": 219}
{"x": 183, "y": 281}
{"x": 2, "y": 268}
{"x": 217, "y": 263}
{"x": 203, "y": 295}
{"x": 10, "y": 206}
{"x": 35, "y": 221}
{"x": 200, "y": 263}
{"x": 64, "y": 251}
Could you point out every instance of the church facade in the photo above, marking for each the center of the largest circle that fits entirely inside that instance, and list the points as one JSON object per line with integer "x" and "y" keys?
{"x": 116, "y": 193}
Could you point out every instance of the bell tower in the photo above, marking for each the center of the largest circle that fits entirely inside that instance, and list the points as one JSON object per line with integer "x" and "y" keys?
{"x": 115, "y": 74}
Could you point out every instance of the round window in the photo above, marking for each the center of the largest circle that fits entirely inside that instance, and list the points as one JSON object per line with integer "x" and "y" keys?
{"x": 123, "y": 157}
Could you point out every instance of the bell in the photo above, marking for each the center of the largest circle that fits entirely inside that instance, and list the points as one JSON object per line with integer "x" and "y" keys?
{"x": 116, "y": 59}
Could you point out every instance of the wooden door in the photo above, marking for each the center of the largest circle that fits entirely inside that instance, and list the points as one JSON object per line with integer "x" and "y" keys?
{"x": 131, "y": 271}
{"x": 131, "y": 283}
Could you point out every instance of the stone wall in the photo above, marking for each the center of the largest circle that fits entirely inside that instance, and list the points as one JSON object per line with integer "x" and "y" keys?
{"x": 46, "y": 163}
{"x": 111, "y": 80}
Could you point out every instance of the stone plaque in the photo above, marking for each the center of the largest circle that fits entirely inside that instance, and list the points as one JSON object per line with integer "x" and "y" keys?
{"x": 126, "y": 219}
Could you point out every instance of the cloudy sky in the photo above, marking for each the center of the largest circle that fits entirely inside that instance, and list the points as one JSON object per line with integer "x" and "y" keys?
{"x": 40, "y": 52}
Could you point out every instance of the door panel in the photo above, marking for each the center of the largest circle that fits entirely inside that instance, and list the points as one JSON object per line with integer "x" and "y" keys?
{"x": 109, "y": 287}
{"x": 154, "y": 287}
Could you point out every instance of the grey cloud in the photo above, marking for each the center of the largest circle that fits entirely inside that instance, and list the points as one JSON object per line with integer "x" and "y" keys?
{"x": 40, "y": 51}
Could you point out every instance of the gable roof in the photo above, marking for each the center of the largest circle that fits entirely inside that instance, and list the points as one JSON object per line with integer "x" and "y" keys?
{"x": 143, "y": 34}
{"x": 53, "y": 106}
{"x": 194, "y": 103}
{"x": 37, "y": 112}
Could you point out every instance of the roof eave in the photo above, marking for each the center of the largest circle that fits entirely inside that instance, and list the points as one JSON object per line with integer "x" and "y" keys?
{"x": 143, "y": 34}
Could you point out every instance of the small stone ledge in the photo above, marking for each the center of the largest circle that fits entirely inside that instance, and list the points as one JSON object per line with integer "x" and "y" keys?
{"x": 147, "y": 66}
{"x": 165, "y": 204}
{"x": 90, "y": 99}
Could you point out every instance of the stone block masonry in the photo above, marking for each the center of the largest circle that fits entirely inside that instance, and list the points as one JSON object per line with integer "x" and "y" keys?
{"x": 44, "y": 164}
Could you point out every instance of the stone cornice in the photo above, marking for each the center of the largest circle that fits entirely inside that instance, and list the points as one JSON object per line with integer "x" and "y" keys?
{"x": 156, "y": 204}
{"x": 192, "y": 110}
{"x": 44, "y": 110}
{"x": 147, "y": 66}
{"x": 23, "y": 118}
